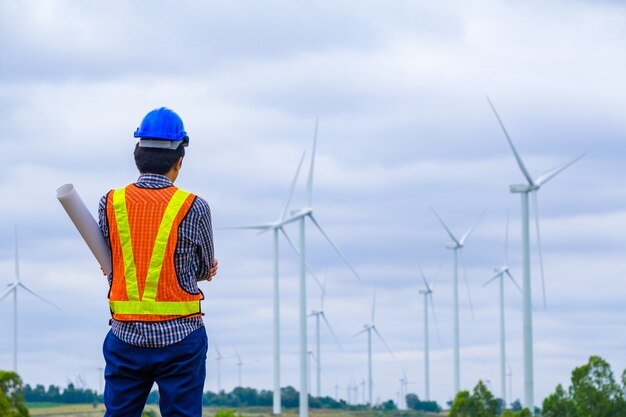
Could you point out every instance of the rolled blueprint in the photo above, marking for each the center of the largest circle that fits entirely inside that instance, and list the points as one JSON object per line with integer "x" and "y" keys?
{"x": 86, "y": 225}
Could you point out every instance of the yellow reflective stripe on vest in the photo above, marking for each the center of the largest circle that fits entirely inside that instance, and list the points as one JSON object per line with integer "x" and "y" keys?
{"x": 147, "y": 304}
{"x": 170, "y": 308}
{"x": 158, "y": 253}
{"x": 123, "y": 229}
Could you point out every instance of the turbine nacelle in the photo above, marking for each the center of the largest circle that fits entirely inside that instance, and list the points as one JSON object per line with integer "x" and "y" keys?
{"x": 524, "y": 188}
{"x": 301, "y": 212}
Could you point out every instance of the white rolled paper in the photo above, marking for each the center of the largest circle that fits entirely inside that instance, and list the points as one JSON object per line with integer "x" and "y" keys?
{"x": 86, "y": 225}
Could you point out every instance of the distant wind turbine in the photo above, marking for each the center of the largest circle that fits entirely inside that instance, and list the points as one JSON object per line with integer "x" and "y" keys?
{"x": 532, "y": 186}
{"x": 500, "y": 274}
{"x": 427, "y": 292}
{"x": 13, "y": 287}
{"x": 456, "y": 246}
{"x": 219, "y": 359}
{"x": 240, "y": 364}
{"x": 317, "y": 314}
{"x": 369, "y": 328}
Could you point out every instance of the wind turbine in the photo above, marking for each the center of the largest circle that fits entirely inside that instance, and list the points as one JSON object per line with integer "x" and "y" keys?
{"x": 531, "y": 186}
{"x": 317, "y": 314}
{"x": 402, "y": 392}
{"x": 219, "y": 359}
{"x": 404, "y": 384}
{"x": 275, "y": 227}
{"x": 369, "y": 328}
{"x": 240, "y": 364}
{"x": 301, "y": 215}
{"x": 13, "y": 287}
{"x": 500, "y": 274}
{"x": 427, "y": 292}
{"x": 456, "y": 246}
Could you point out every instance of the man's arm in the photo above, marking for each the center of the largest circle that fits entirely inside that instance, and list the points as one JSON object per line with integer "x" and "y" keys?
{"x": 204, "y": 237}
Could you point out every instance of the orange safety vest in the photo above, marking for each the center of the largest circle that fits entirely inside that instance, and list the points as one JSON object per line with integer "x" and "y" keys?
{"x": 143, "y": 233}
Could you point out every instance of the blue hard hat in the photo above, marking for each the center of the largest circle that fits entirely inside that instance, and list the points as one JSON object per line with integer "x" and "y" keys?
{"x": 162, "y": 124}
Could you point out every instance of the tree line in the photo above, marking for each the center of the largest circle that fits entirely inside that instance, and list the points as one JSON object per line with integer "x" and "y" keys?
{"x": 238, "y": 397}
{"x": 594, "y": 391}
{"x": 55, "y": 394}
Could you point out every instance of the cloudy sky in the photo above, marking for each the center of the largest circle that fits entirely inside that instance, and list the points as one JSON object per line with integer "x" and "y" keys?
{"x": 399, "y": 89}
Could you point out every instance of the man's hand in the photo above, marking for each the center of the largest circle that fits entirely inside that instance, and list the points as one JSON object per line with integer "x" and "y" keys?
{"x": 213, "y": 270}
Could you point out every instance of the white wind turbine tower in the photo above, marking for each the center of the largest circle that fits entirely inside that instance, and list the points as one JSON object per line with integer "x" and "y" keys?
{"x": 500, "y": 276}
{"x": 427, "y": 292}
{"x": 13, "y": 287}
{"x": 275, "y": 227}
{"x": 317, "y": 314}
{"x": 532, "y": 186}
{"x": 240, "y": 364}
{"x": 369, "y": 328}
{"x": 456, "y": 246}
{"x": 300, "y": 215}
{"x": 402, "y": 393}
{"x": 219, "y": 359}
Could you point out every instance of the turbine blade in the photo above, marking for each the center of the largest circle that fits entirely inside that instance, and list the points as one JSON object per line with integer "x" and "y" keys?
{"x": 306, "y": 263}
{"x": 331, "y": 330}
{"x": 283, "y": 211}
{"x": 343, "y": 258}
{"x": 543, "y": 178}
{"x": 262, "y": 227}
{"x": 446, "y": 227}
{"x": 432, "y": 305}
{"x": 520, "y": 163}
{"x": 361, "y": 332}
{"x": 309, "y": 185}
{"x": 469, "y": 232}
{"x": 424, "y": 278}
{"x": 513, "y": 279}
{"x": 323, "y": 290}
{"x": 543, "y": 282}
{"x": 11, "y": 288}
{"x": 383, "y": 340}
{"x": 469, "y": 294}
{"x": 496, "y": 276}
{"x": 39, "y": 296}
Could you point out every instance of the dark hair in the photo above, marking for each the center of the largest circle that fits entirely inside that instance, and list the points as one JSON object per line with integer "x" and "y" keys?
{"x": 157, "y": 160}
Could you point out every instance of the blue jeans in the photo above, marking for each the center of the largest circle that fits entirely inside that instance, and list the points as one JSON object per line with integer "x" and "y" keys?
{"x": 179, "y": 371}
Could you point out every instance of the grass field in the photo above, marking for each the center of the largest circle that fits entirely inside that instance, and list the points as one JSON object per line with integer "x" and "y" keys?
{"x": 87, "y": 410}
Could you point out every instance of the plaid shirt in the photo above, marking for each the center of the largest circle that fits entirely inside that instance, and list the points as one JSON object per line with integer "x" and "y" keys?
{"x": 192, "y": 260}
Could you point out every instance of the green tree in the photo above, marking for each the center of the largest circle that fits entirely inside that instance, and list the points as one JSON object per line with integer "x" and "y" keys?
{"x": 594, "y": 390}
{"x": 462, "y": 405}
{"x": 593, "y": 393}
{"x": 12, "y": 402}
{"x": 481, "y": 403}
{"x": 558, "y": 404}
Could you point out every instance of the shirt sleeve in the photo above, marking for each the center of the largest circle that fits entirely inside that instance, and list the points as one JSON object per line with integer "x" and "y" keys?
{"x": 203, "y": 238}
{"x": 104, "y": 226}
